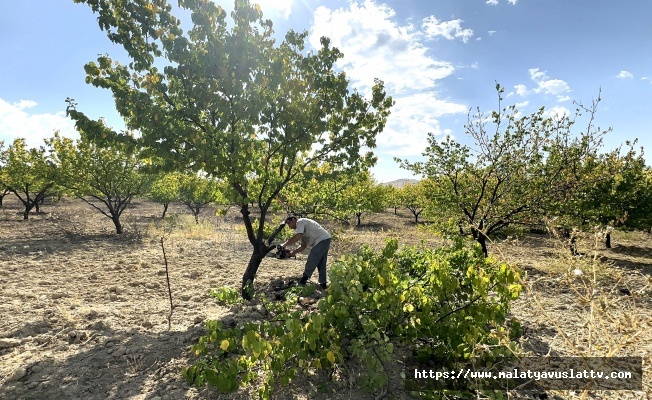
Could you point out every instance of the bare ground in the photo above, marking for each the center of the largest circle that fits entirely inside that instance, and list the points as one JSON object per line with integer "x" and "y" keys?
{"x": 84, "y": 312}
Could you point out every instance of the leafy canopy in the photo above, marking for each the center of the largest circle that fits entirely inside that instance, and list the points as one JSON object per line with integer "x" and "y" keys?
{"x": 106, "y": 178}
{"x": 27, "y": 172}
{"x": 616, "y": 191}
{"x": 518, "y": 169}
{"x": 227, "y": 100}
{"x": 224, "y": 98}
{"x": 449, "y": 303}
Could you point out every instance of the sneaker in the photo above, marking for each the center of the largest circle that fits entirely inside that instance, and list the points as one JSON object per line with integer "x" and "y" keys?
{"x": 303, "y": 281}
{"x": 323, "y": 286}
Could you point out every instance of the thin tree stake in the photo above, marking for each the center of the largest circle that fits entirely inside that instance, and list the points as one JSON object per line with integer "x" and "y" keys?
{"x": 167, "y": 277}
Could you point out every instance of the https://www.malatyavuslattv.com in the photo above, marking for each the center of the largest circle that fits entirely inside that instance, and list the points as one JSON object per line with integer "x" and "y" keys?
{"x": 560, "y": 373}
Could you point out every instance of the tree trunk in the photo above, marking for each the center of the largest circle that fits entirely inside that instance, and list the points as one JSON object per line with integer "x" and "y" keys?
{"x": 165, "y": 210}
{"x": 395, "y": 210}
{"x": 28, "y": 207}
{"x": 358, "y": 215}
{"x": 573, "y": 246}
{"x": 260, "y": 249}
{"x": 250, "y": 273}
{"x": 37, "y": 206}
{"x": 567, "y": 233}
{"x": 118, "y": 225}
{"x": 607, "y": 240}
{"x": 482, "y": 239}
{"x": 195, "y": 209}
{"x": 3, "y": 193}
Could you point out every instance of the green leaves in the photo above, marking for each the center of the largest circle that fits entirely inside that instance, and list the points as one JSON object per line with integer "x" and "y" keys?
{"x": 615, "y": 191}
{"x": 448, "y": 303}
{"x": 230, "y": 103}
{"x": 164, "y": 188}
{"x": 328, "y": 191}
{"x": 226, "y": 295}
{"x": 197, "y": 191}
{"x": 107, "y": 178}
{"x": 519, "y": 168}
{"x": 229, "y": 95}
{"x": 27, "y": 172}
{"x": 416, "y": 197}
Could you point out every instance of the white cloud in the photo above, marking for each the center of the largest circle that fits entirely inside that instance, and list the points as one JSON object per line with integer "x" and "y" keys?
{"x": 625, "y": 75}
{"x": 521, "y": 90}
{"x": 448, "y": 29}
{"x": 375, "y": 46}
{"x": 552, "y": 86}
{"x": 512, "y": 2}
{"x": 557, "y": 112}
{"x": 491, "y": 33}
{"x": 535, "y": 74}
{"x": 411, "y": 119}
{"x": 23, "y": 104}
{"x": 15, "y": 122}
{"x": 492, "y": 2}
{"x": 545, "y": 85}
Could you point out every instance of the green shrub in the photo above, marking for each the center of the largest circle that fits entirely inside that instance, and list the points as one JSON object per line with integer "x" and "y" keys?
{"x": 446, "y": 303}
{"x": 226, "y": 295}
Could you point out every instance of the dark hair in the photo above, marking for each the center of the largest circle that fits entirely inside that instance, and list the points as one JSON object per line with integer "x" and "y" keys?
{"x": 290, "y": 217}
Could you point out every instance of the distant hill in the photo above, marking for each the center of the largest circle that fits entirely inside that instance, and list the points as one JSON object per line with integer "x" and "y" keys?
{"x": 399, "y": 183}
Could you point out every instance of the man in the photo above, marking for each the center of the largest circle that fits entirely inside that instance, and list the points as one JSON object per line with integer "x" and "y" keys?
{"x": 310, "y": 233}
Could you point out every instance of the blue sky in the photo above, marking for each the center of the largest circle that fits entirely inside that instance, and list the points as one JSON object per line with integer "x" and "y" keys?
{"x": 438, "y": 59}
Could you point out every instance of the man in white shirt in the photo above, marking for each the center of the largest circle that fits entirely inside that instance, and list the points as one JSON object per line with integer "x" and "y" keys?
{"x": 311, "y": 234}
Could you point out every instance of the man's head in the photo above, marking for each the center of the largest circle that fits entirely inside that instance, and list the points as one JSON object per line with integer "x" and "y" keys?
{"x": 291, "y": 221}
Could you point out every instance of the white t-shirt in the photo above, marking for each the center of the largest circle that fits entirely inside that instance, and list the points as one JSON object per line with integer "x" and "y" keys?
{"x": 311, "y": 232}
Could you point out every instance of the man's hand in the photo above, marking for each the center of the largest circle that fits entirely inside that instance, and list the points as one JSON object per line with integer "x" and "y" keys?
{"x": 282, "y": 252}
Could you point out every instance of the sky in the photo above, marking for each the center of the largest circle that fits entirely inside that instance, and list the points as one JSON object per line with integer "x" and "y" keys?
{"x": 439, "y": 59}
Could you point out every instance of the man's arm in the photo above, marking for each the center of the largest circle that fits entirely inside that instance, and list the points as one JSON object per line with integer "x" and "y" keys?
{"x": 298, "y": 249}
{"x": 294, "y": 239}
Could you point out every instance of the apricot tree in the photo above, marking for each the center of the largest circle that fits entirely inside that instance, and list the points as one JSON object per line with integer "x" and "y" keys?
{"x": 520, "y": 168}
{"x": 225, "y": 99}
{"x": 28, "y": 173}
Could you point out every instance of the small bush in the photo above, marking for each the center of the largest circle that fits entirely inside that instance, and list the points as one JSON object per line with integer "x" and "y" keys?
{"x": 226, "y": 295}
{"x": 447, "y": 303}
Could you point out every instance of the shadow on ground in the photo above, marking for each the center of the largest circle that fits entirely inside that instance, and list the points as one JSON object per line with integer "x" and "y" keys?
{"x": 118, "y": 364}
{"x": 632, "y": 257}
{"x": 632, "y": 251}
{"x": 107, "y": 365}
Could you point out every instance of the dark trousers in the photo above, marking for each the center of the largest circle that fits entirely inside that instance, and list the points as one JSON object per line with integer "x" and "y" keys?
{"x": 317, "y": 259}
